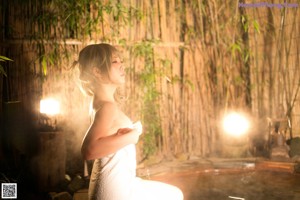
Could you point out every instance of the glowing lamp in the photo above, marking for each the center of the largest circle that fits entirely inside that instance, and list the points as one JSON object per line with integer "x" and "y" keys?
{"x": 49, "y": 107}
{"x": 49, "y": 110}
{"x": 235, "y": 124}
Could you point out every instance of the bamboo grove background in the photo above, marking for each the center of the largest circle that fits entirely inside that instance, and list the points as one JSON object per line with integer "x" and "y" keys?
{"x": 188, "y": 62}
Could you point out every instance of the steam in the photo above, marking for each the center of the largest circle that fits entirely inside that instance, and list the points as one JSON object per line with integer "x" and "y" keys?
{"x": 74, "y": 118}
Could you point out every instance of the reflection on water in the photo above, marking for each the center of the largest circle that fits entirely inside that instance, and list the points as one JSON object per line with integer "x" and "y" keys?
{"x": 254, "y": 185}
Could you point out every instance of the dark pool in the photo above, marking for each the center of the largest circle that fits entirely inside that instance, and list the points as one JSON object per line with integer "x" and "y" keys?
{"x": 249, "y": 185}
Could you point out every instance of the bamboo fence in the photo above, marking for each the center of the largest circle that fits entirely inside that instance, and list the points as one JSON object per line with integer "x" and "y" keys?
{"x": 221, "y": 57}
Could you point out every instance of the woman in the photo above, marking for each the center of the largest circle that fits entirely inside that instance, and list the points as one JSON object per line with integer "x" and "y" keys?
{"x": 111, "y": 137}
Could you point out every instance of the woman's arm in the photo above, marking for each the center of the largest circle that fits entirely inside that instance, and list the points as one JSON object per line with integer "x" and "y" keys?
{"x": 99, "y": 141}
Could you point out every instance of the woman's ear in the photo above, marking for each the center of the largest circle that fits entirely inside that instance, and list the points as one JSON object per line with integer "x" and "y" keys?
{"x": 97, "y": 72}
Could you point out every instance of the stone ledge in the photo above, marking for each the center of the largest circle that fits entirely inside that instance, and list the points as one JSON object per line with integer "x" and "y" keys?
{"x": 81, "y": 195}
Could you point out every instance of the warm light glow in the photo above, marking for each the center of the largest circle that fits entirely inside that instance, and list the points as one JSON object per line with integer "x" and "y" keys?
{"x": 235, "y": 124}
{"x": 49, "y": 107}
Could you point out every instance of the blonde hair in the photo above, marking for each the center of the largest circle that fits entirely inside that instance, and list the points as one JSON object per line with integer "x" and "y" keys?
{"x": 94, "y": 56}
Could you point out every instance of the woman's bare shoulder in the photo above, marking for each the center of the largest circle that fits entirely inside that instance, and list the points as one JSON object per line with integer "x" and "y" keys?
{"x": 107, "y": 109}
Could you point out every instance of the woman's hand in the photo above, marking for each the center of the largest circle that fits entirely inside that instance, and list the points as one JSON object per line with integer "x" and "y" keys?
{"x": 100, "y": 140}
{"x": 136, "y": 130}
{"x": 123, "y": 131}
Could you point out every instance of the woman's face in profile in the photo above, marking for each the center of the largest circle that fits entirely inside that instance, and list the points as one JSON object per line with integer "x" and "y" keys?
{"x": 117, "y": 72}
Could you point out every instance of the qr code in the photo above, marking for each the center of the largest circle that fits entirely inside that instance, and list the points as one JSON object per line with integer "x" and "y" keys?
{"x": 8, "y": 190}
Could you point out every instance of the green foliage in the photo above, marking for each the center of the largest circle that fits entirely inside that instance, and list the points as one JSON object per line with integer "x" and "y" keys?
{"x": 235, "y": 48}
{"x": 47, "y": 60}
{"x": 150, "y": 107}
{"x": 3, "y": 59}
{"x": 82, "y": 20}
{"x": 59, "y": 20}
{"x": 245, "y": 22}
{"x": 5, "y": 179}
{"x": 256, "y": 26}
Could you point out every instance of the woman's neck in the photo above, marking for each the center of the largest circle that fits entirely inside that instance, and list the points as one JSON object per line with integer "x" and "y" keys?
{"x": 104, "y": 93}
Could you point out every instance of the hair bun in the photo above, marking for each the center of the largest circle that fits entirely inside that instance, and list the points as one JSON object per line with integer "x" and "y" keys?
{"x": 73, "y": 65}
